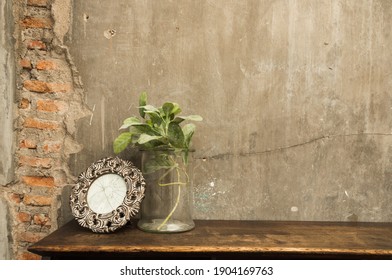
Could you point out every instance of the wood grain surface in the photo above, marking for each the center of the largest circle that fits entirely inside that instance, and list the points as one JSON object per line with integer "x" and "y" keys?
{"x": 225, "y": 239}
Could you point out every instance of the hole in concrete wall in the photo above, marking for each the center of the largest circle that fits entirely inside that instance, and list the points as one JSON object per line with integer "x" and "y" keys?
{"x": 109, "y": 33}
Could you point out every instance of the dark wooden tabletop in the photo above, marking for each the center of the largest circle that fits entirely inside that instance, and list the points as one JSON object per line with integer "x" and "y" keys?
{"x": 225, "y": 239}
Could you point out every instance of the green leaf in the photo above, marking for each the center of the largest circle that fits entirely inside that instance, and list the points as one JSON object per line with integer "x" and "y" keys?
{"x": 143, "y": 128}
{"x": 171, "y": 109}
{"x": 150, "y": 109}
{"x": 189, "y": 130}
{"x": 167, "y": 109}
{"x": 142, "y": 103}
{"x": 156, "y": 120}
{"x": 175, "y": 135}
{"x": 121, "y": 142}
{"x": 157, "y": 163}
{"x": 130, "y": 121}
{"x": 153, "y": 113}
{"x": 195, "y": 118}
{"x": 178, "y": 120}
{"x": 176, "y": 109}
{"x": 145, "y": 138}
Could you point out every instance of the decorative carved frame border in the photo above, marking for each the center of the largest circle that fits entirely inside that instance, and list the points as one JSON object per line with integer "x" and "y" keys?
{"x": 108, "y": 222}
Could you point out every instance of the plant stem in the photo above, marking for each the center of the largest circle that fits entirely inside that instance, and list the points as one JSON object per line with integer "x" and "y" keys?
{"x": 175, "y": 205}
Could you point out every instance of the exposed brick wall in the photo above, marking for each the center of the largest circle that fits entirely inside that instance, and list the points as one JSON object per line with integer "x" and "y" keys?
{"x": 48, "y": 102}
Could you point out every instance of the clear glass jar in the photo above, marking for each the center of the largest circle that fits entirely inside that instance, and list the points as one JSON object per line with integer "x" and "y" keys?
{"x": 167, "y": 206}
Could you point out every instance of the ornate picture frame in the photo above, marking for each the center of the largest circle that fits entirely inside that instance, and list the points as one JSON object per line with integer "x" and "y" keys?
{"x": 112, "y": 181}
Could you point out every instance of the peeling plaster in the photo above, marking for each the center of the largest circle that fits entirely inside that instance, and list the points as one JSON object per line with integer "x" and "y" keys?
{"x": 61, "y": 11}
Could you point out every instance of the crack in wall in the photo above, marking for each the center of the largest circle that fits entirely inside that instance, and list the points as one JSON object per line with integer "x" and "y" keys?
{"x": 245, "y": 154}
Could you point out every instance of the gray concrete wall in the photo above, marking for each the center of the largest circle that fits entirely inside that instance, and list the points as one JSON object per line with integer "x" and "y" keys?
{"x": 295, "y": 95}
{"x": 7, "y": 89}
{"x": 4, "y": 235}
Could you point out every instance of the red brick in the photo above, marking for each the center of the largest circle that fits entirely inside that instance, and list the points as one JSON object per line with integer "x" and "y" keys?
{"x": 51, "y": 147}
{"x": 37, "y": 200}
{"x": 28, "y": 144}
{"x": 28, "y": 256}
{"x": 24, "y": 103}
{"x": 41, "y": 124}
{"x": 25, "y": 63}
{"x": 36, "y": 44}
{"x": 30, "y": 22}
{"x": 43, "y": 87}
{"x": 24, "y": 217}
{"x": 38, "y": 3}
{"x": 51, "y": 105}
{"x": 38, "y": 181}
{"x": 35, "y": 161}
{"x": 31, "y": 237}
{"x": 36, "y": 86}
{"x": 46, "y": 65}
{"x": 47, "y": 106}
{"x": 41, "y": 219}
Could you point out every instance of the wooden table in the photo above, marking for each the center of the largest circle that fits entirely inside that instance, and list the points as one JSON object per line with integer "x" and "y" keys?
{"x": 225, "y": 240}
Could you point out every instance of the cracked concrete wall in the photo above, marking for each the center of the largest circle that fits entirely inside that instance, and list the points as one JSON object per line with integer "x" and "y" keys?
{"x": 4, "y": 231}
{"x": 295, "y": 97}
{"x": 7, "y": 91}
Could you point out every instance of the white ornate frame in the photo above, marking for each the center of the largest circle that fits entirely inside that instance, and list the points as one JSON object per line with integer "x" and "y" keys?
{"x": 108, "y": 222}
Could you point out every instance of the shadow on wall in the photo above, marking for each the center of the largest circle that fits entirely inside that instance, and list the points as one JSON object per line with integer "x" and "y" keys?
{"x": 65, "y": 210}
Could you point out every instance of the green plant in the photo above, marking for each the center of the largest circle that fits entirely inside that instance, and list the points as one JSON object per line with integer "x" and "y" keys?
{"x": 160, "y": 128}
{"x": 156, "y": 128}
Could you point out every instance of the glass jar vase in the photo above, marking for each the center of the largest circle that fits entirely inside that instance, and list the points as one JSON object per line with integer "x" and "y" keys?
{"x": 167, "y": 206}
